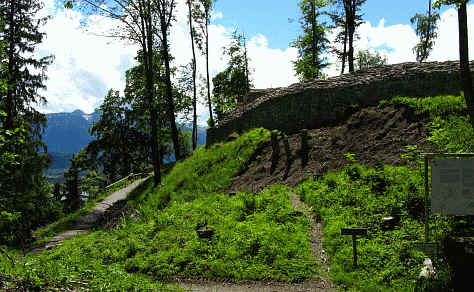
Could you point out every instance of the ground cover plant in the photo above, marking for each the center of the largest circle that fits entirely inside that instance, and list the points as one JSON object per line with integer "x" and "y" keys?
{"x": 256, "y": 236}
{"x": 359, "y": 196}
{"x": 448, "y": 122}
{"x": 47, "y": 232}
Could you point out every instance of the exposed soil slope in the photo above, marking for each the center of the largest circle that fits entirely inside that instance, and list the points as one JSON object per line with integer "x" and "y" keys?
{"x": 374, "y": 135}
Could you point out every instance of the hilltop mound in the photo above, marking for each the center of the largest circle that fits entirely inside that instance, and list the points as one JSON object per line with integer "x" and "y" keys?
{"x": 371, "y": 135}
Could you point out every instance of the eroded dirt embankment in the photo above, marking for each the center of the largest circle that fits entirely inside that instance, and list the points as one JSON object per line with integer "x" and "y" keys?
{"x": 374, "y": 135}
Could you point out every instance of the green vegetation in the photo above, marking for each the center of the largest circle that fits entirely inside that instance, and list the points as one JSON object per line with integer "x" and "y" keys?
{"x": 256, "y": 236}
{"x": 69, "y": 221}
{"x": 449, "y": 127}
{"x": 358, "y": 196}
{"x": 431, "y": 106}
{"x": 261, "y": 236}
{"x": 25, "y": 201}
{"x": 232, "y": 84}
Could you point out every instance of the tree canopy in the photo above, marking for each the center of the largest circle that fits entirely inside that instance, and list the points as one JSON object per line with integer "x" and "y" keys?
{"x": 313, "y": 43}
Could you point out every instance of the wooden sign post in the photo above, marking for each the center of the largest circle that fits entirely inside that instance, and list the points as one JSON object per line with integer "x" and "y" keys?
{"x": 354, "y": 232}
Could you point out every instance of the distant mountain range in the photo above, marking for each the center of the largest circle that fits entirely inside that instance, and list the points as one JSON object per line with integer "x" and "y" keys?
{"x": 67, "y": 133}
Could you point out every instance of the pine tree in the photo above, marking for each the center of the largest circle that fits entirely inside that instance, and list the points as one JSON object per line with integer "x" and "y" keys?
{"x": 347, "y": 18}
{"x": 202, "y": 15}
{"x": 73, "y": 195}
{"x": 426, "y": 31}
{"x": 313, "y": 43}
{"x": 232, "y": 84}
{"x": 20, "y": 29}
{"x": 193, "y": 62}
{"x": 24, "y": 189}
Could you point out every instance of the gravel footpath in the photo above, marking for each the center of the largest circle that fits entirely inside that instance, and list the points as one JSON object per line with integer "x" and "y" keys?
{"x": 86, "y": 222}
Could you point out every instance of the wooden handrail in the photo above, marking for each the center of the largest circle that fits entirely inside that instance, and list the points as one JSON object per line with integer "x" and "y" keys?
{"x": 134, "y": 175}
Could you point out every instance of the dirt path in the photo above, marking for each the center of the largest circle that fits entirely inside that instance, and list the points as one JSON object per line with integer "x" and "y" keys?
{"x": 323, "y": 284}
{"x": 86, "y": 222}
{"x": 316, "y": 233}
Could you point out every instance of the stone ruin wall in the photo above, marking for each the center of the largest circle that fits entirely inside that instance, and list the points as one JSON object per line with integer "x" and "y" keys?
{"x": 320, "y": 103}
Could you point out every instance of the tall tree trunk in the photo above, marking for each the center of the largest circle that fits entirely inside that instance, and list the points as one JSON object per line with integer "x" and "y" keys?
{"x": 314, "y": 49}
{"x": 191, "y": 30}
{"x": 344, "y": 52}
{"x": 464, "y": 61}
{"x": 351, "y": 20}
{"x": 169, "y": 90}
{"x": 147, "y": 47}
{"x": 428, "y": 28}
{"x": 212, "y": 124}
{"x": 247, "y": 84}
{"x": 10, "y": 105}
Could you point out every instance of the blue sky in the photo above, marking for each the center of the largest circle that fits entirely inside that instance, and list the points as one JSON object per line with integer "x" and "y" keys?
{"x": 86, "y": 66}
{"x": 270, "y": 18}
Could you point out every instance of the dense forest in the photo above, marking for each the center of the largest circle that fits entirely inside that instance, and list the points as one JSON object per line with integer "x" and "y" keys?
{"x": 252, "y": 235}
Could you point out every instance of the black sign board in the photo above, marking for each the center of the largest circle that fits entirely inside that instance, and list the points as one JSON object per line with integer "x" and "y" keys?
{"x": 431, "y": 249}
{"x": 354, "y": 231}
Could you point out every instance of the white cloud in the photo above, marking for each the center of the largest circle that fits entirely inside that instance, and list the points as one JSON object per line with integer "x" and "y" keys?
{"x": 216, "y": 15}
{"x": 271, "y": 67}
{"x": 397, "y": 41}
{"x": 86, "y": 65}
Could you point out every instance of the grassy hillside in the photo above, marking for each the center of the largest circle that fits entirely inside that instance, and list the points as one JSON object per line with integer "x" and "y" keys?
{"x": 260, "y": 236}
{"x": 358, "y": 196}
{"x": 255, "y": 236}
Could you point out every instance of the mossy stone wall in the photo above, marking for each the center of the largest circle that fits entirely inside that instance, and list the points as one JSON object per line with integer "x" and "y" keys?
{"x": 320, "y": 103}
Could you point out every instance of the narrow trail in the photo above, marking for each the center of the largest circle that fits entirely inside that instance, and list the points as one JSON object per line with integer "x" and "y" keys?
{"x": 323, "y": 284}
{"x": 316, "y": 233}
{"x": 86, "y": 222}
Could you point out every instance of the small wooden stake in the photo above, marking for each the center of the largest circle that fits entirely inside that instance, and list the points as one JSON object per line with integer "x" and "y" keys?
{"x": 354, "y": 249}
{"x": 354, "y": 232}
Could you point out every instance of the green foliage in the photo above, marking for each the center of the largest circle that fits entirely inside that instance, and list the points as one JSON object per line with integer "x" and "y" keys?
{"x": 25, "y": 196}
{"x": 69, "y": 221}
{"x": 256, "y": 236}
{"x": 432, "y": 106}
{"x": 350, "y": 156}
{"x": 365, "y": 60}
{"x": 232, "y": 84}
{"x": 93, "y": 183}
{"x": 439, "y": 3}
{"x": 124, "y": 131}
{"x": 450, "y": 130}
{"x": 87, "y": 262}
{"x": 453, "y": 134}
{"x": 358, "y": 196}
{"x": 117, "y": 146}
{"x": 426, "y": 26}
{"x": 313, "y": 43}
{"x": 208, "y": 171}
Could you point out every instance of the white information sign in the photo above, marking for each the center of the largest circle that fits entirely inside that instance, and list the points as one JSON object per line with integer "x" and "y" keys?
{"x": 452, "y": 186}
